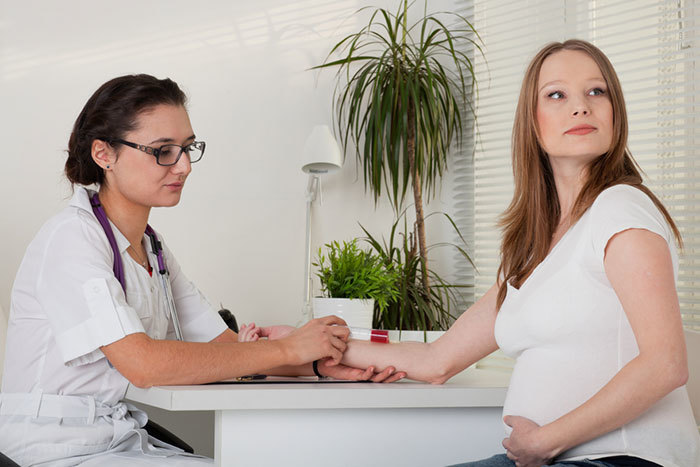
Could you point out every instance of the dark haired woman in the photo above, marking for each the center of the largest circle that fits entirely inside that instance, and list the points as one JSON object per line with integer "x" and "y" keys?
{"x": 586, "y": 300}
{"x": 91, "y": 312}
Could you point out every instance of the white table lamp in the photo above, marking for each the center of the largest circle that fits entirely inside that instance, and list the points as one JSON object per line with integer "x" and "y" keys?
{"x": 321, "y": 155}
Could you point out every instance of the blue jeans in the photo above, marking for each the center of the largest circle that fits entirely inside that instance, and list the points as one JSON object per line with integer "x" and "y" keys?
{"x": 502, "y": 461}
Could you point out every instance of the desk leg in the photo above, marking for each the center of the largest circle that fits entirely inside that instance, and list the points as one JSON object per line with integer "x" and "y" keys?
{"x": 352, "y": 437}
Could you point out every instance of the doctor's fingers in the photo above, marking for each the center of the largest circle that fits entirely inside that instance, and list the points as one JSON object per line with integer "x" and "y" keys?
{"x": 331, "y": 320}
{"x": 339, "y": 344}
{"x": 334, "y": 355}
{"x": 341, "y": 332}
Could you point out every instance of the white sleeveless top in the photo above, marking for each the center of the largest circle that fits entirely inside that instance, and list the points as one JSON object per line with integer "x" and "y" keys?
{"x": 569, "y": 335}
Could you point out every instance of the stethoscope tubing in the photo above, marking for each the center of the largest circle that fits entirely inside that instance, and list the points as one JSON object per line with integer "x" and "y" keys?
{"x": 157, "y": 249}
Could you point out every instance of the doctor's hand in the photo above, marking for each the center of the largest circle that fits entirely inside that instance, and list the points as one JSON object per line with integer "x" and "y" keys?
{"x": 389, "y": 375}
{"x": 525, "y": 446}
{"x": 317, "y": 339}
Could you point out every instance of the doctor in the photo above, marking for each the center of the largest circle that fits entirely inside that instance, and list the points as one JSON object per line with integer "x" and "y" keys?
{"x": 91, "y": 311}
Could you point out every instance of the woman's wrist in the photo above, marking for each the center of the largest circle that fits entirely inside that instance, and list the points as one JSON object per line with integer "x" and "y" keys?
{"x": 550, "y": 440}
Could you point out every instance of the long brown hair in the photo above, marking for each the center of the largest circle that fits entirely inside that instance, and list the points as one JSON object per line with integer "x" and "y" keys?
{"x": 534, "y": 213}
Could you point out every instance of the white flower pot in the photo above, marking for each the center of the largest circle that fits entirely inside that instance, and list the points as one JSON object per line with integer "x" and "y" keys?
{"x": 357, "y": 313}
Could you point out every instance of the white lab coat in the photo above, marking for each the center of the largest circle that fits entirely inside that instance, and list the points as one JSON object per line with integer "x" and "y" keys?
{"x": 66, "y": 304}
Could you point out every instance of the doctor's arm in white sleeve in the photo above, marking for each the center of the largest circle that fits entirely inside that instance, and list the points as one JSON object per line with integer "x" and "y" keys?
{"x": 212, "y": 352}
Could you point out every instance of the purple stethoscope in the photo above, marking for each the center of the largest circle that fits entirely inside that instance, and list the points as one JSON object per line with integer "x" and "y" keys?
{"x": 118, "y": 267}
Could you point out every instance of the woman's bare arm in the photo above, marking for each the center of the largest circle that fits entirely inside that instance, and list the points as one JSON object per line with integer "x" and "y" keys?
{"x": 469, "y": 339}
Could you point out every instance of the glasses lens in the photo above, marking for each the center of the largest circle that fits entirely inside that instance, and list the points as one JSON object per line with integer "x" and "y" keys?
{"x": 195, "y": 151}
{"x": 169, "y": 154}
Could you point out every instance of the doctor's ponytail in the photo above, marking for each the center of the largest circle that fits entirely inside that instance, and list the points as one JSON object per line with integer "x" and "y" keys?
{"x": 110, "y": 113}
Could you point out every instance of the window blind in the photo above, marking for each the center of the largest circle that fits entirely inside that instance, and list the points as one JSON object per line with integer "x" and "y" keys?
{"x": 654, "y": 47}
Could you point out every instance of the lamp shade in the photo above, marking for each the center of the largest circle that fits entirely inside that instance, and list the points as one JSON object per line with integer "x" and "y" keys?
{"x": 321, "y": 152}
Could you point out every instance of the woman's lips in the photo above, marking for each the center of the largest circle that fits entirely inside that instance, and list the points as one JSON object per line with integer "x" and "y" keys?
{"x": 580, "y": 130}
{"x": 175, "y": 186}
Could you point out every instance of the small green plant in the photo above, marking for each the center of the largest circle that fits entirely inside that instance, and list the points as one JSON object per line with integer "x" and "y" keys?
{"x": 415, "y": 307}
{"x": 346, "y": 271}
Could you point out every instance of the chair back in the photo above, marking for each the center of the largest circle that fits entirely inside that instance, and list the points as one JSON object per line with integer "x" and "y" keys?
{"x": 692, "y": 340}
{"x": 3, "y": 336}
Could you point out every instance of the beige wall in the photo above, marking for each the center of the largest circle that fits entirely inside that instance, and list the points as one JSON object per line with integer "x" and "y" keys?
{"x": 239, "y": 230}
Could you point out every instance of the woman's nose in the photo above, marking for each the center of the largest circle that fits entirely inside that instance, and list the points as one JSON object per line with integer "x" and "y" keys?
{"x": 580, "y": 108}
{"x": 183, "y": 166}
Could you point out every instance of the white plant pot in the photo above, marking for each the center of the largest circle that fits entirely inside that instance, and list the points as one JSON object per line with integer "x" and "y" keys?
{"x": 357, "y": 313}
{"x": 414, "y": 336}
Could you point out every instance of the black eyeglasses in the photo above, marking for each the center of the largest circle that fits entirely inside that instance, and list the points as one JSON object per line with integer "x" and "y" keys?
{"x": 168, "y": 154}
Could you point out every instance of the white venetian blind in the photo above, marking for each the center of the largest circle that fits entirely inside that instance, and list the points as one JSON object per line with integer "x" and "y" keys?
{"x": 654, "y": 46}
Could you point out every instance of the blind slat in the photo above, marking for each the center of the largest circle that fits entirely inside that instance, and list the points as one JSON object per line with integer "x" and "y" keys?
{"x": 655, "y": 52}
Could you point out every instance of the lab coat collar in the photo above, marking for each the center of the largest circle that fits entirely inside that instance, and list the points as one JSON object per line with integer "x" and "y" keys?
{"x": 81, "y": 200}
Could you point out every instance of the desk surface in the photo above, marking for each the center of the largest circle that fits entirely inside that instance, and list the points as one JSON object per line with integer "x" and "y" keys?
{"x": 471, "y": 388}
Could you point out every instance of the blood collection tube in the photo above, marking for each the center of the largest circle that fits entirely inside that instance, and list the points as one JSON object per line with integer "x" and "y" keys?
{"x": 373, "y": 335}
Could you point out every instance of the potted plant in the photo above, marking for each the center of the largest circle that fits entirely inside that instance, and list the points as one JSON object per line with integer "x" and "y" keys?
{"x": 404, "y": 106}
{"x": 414, "y": 307}
{"x": 353, "y": 280}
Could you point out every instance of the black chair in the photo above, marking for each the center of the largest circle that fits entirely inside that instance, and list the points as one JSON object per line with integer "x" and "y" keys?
{"x": 158, "y": 432}
{"x": 229, "y": 319}
{"x": 6, "y": 461}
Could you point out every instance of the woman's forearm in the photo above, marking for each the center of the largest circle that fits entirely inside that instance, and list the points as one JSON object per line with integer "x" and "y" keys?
{"x": 412, "y": 357}
{"x": 468, "y": 340}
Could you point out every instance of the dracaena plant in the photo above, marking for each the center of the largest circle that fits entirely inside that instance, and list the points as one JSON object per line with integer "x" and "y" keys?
{"x": 415, "y": 307}
{"x": 400, "y": 101}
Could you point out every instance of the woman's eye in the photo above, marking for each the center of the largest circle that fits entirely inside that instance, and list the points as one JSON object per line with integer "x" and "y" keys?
{"x": 555, "y": 95}
{"x": 596, "y": 92}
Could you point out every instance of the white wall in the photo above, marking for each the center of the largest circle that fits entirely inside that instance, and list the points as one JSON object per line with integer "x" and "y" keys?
{"x": 239, "y": 229}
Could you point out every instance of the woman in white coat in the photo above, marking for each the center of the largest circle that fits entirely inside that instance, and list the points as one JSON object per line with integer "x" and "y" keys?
{"x": 586, "y": 300}
{"x": 90, "y": 312}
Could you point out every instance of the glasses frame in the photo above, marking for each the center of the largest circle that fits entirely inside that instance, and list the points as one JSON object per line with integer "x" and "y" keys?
{"x": 156, "y": 151}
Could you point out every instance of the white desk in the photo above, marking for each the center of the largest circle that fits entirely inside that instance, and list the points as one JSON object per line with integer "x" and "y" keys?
{"x": 339, "y": 424}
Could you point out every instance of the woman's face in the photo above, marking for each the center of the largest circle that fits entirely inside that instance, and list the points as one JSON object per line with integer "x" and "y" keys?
{"x": 136, "y": 175}
{"x": 574, "y": 113}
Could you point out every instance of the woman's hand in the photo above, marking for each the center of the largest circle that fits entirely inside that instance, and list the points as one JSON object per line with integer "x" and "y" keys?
{"x": 389, "y": 375}
{"x": 249, "y": 333}
{"x": 524, "y": 446}
{"x": 317, "y": 339}
{"x": 276, "y": 332}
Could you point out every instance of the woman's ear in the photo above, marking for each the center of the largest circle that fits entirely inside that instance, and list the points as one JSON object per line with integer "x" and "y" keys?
{"x": 103, "y": 154}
